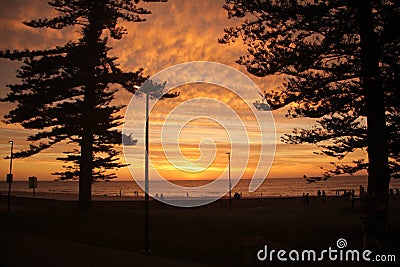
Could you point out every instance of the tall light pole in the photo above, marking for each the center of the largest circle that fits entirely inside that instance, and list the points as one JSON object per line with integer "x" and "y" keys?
{"x": 154, "y": 90}
{"x": 10, "y": 176}
{"x": 146, "y": 249}
{"x": 229, "y": 179}
{"x": 146, "y": 183}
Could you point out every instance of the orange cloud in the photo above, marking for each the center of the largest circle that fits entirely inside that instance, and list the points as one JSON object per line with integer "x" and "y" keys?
{"x": 178, "y": 31}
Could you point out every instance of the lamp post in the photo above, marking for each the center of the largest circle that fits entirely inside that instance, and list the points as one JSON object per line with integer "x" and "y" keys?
{"x": 10, "y": 176}
{"x": 154, "y": 90}
{"x": 229, "y": 179}
{"x": 146, "y": 183}
{"x": 146, "y": 249}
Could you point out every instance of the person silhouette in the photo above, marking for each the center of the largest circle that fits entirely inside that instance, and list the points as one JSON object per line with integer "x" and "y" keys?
{"x": 161, "y": 197}
{"x": 361, "y": 190}
{"x": 323, "y": 195}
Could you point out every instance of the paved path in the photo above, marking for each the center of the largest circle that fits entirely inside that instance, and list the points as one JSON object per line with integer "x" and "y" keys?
{"x": 35, "y": 250}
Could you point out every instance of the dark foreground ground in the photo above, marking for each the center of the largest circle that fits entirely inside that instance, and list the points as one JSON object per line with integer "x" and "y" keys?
{"x": 111, "y": 234}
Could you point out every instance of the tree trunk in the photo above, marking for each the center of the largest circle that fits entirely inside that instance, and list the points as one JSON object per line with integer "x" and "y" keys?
{"x": 85, "y": 175}
{"x": 376, "y": 200}
{"x": 90, "y": 58}
{"x": 87, "y": 143}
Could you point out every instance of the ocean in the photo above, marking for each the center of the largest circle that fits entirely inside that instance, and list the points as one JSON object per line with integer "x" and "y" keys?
{"x": 271, "y": 187}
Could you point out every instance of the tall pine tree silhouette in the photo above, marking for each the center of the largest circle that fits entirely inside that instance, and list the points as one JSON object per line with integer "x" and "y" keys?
{"x": 340, "y": 60}
{"x": 64, "y": 91}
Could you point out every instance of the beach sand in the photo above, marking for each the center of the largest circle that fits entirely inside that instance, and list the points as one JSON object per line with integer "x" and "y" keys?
{"x": 111, "y": 234}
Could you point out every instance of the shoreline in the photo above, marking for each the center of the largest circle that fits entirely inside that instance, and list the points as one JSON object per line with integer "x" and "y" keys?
{"x": 74, "y": 197}
{"x": 22, "y": 199}
{"x": 57, "y": 200}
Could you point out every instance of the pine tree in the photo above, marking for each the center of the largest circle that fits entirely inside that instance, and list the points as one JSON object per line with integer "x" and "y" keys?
{"x": 64, "y": 91}
{"x": 340, "y": 60}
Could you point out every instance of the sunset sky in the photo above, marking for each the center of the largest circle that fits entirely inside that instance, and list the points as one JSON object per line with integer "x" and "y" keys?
{"x": 176, "y": 32}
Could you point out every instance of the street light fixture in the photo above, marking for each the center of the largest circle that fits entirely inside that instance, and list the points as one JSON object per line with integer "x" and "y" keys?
{"x": 229, "y": 179}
